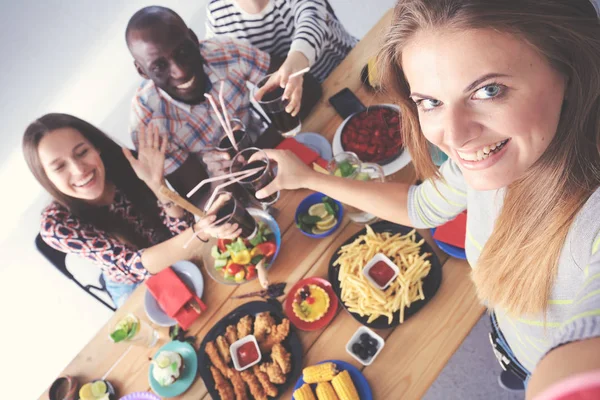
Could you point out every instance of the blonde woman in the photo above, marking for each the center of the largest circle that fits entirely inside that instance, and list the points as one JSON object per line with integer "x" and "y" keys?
{"x": 510, "y": 90}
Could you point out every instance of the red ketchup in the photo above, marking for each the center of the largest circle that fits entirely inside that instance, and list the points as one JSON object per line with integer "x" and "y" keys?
{"x": 247, "y": 354}
{"x": 381, "y": 273}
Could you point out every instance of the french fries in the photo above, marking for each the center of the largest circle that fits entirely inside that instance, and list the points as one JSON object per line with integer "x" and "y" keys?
{"x": 360, "y": 296}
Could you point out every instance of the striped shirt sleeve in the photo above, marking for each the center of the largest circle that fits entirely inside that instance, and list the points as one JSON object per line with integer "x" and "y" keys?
{"x": 435, "y": 202}
{"x": 583, "y": 320}
{"x": 209, "y": 31}
{"x": 311, "y": 28}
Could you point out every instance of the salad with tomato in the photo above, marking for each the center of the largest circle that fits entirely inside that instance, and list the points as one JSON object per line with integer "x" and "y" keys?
{"x": 237, "y": 259}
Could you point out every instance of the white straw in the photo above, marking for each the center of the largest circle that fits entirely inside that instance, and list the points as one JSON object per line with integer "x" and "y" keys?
{"x": 218, "y": 178}
{"x": 116, "y": 362}
{"x": 214, "y": 106}
{"x": 221, "y": 186}
{"x": 225, "y": 113}
{"x": 298, "y": 73}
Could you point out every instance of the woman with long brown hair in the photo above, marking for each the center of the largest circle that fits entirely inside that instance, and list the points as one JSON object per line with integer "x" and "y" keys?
{"x": 107, "y": 206}
{"x": 510, "y": 90}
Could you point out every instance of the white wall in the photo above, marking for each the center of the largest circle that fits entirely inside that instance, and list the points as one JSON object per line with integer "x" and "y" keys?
{"x": 67, "y": 56}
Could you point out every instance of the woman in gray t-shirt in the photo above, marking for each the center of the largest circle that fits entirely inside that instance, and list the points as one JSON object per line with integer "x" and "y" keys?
{"x": 510, "y": 90}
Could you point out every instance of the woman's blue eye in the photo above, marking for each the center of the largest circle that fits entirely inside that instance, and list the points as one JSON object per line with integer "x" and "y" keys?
{"x": 428, "y": 104}
{"x": 488, "y": 92}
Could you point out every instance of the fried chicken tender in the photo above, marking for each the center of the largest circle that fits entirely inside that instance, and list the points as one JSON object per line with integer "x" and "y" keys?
{"x": 223, "y": 347}
{"x": 239, "y": 387}
{"x": 263, "y": 378}
{"x": 262, "y": 325}
{"x": 255, "y": 387}
{"x": 275, "y": 374}
{"x": 215, "y": 358}
{"x": 277, "y": 335}
{"x": 231, "y": 334}
{"x": 244, "y": 327}
{"x": 281, "y": 356}
{"x": 222, "y": 385}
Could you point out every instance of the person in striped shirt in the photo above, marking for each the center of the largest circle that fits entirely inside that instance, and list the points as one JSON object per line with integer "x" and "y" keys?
{"x": 305, "y": 33}
{"x": 510, "y": 91}
{"x": 178, "y": 70}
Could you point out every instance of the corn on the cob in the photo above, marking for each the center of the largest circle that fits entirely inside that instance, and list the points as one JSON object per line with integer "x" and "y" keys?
{"x": 319, "y": 373}
{"x": 304, "y": 393}
{"x": 325, "y": 391}
{"x": 344, "y": 387}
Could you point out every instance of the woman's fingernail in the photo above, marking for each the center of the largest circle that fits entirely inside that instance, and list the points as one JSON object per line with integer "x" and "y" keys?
{"x": 260, "y": 194}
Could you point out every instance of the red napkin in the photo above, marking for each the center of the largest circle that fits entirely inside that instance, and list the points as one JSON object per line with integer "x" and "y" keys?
{"x": 174, "y": 297}
{"x": 453, "y": 232}
{"x": 308, "y": 156}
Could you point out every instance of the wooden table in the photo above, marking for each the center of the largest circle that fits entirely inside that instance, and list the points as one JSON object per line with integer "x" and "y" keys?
{"x": 414, "y": 353}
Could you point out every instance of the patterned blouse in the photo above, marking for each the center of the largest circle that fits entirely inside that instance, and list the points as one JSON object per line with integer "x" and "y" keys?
{"x": 120, "y": 262}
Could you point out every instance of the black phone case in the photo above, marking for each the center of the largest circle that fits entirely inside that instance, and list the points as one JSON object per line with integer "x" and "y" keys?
{"x": 346, "y": 103}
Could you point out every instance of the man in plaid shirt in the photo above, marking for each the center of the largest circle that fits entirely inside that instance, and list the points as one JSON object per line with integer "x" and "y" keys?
{"x": 178, "y": 70}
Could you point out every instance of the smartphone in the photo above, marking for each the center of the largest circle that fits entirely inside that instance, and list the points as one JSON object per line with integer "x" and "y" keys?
{"x": 346, "y": 103}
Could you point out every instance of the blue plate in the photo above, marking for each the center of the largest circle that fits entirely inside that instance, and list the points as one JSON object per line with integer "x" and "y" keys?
{"x": 140, "y": 396}
{"x": 188, "y": 375}
{"x": 291, "y": 343}
{"x": 453, "y": 251}
{"x": 189, "y": 273}
{"x": 359, "y": 380}
{"x": 316, "y": 142}
{"x": 314, "y": 199}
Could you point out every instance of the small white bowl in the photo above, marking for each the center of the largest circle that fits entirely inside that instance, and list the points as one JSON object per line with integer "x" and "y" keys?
{"x": 356, "y": 339}
{"x": 376, "y": 258}
{"x": 236, "y": 345}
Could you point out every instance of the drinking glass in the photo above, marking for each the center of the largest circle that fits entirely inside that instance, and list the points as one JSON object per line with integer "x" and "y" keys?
{"x": 233, "y": 212}
{"x": 348, "y": 166}
{"x": 240, "y": 135}
{"x": 258, "y": 180}
{"x": 274, "y": 106}
{"x": 139, "y": 332}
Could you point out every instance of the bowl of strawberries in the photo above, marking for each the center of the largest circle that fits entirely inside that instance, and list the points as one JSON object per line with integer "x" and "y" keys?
{"x": 374, "y": 135}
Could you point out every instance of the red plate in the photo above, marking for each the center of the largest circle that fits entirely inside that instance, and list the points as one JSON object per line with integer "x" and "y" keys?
{"x": 323, "y": 321}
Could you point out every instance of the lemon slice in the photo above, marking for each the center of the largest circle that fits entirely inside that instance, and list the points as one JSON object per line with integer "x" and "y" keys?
{"x": 317, "y": 210}
{"x": 317, "y": 231}
{"x": 327, "y": 226}
{"x": 163, "y": 361}
{"x": 127, "y": 322}
{"x": 86, "y": 393}
{"x": 326, "y": 220}
{"x": 99, "y": 389}
{"x": 363, "y": 176}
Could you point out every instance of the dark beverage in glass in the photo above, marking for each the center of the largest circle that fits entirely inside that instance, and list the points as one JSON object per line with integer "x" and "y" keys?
{"x": 274, "y": 106}
{"x": 240, "y": 135}
{"x": 234, "y": 213}
{"x": 259, "y": 179}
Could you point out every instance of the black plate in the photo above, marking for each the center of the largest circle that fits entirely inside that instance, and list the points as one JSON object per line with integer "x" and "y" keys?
{"x": 291, "y": 343}
{"x": 431, "y": 282}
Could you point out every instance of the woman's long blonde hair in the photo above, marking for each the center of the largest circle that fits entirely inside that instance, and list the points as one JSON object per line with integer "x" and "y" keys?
{"x": 518, "y": 265}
